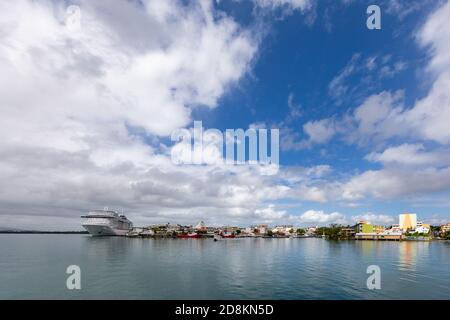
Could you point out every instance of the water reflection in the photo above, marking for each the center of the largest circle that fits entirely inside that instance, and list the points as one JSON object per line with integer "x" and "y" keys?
{"x": 204, "y": 269}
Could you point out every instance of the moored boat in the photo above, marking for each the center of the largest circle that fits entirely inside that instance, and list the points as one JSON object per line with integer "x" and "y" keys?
{"x": 191, "y": 235}
{"x": 224, "y": 235}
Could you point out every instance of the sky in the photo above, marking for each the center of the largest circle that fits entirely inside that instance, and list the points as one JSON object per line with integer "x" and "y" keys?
{"x": 91, "y": 92}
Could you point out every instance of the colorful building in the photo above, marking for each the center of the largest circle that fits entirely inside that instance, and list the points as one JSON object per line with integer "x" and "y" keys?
{"x": 366, "y": 227}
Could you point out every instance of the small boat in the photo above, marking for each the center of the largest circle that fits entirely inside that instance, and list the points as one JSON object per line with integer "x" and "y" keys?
{"x": 224, "y": 235}
{"x": 227, "y": 235}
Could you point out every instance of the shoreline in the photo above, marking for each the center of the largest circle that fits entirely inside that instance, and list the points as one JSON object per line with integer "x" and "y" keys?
{"x": 209, "y": 238}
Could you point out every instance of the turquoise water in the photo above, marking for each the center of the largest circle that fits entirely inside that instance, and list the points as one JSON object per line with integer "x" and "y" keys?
{"x": 33, "y": 267}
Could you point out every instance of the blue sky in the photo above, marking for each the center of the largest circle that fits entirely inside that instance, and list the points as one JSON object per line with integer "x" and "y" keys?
{"x": 296, "y": 64}
{"x": 91, "y": 92}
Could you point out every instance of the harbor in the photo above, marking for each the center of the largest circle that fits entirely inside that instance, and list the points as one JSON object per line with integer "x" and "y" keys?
{"x": 106, "y": 222}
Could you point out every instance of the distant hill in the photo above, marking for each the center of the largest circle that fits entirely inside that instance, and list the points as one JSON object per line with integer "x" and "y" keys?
{"x": 15, "y": 230}
{"x": 9, "y": 229}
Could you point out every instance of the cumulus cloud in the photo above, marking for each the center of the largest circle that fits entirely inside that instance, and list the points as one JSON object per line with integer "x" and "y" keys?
{"x": 111, "y": 71}
{"x": 314, "y": 132}
{"x": 270, "y": 214}
{"x": 384, "y": 115}
{"x": 83, "y": 108}
{"x": 319, "y": 131}
{"x": 375, "y": 219}
{"x": 315, "y": 217}
{"x": 410, "y": 154}
{"x": 389, "y": 183}
{"x": 291, "y": 4}
{"x": 83, "y": 112}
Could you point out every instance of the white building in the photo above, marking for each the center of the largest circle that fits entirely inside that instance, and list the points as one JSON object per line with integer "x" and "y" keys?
{"x": 422, "y": 229}
{"x": 283, "y": 229}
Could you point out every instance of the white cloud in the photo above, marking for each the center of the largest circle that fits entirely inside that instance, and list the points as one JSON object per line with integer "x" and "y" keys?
{"x": 410, "y": 154}
{"x": 362, "y": 76}
{"x": 391, "y": 183}
{"x": 80, "y": 107}
{"x": 274, "y": 216}
{"x": 291, "y": 4}
{"x": 338, "y": 87}
{"x": 375, "y": 219}
{"x": 402, "y": 8}
{"x": 110, "y": 70}
{"x": 294, "y": 109}
{"x": 385, "y": 116}
{"x": 377, "y": 118}
{"x": 270, "y": 214}
{"x": 319, "y": 131}
{"x": 321, "y": 218}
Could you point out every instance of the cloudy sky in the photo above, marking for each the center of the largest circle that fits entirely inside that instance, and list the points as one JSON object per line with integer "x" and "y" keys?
{"x": 89, "y": 100}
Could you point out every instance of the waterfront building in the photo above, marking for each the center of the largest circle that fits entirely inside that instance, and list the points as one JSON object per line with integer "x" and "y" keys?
{"x": 284, "y": 229}
{"x": 422, "y": 227}
{"x": 445, "y": 228}
{"x": 173, "y": 227}
{"x": 201, "y": 227}
{"x": 408, "y": 221}
{"x": 392, "y": 236}
{"x": 366, "y": 227}
{"x": 261, "y": 229}
{"x": 348, "y": 232}
{"x": 311, "y": 230}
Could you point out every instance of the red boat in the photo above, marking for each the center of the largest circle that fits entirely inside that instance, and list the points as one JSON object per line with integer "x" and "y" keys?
{"x": 192, "y": 235}
{"x": 228, "y": 235}
{"x": 224, "y": 235}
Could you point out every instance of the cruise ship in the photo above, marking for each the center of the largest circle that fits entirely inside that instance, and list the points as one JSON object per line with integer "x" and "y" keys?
{"x": 106, "y": 222}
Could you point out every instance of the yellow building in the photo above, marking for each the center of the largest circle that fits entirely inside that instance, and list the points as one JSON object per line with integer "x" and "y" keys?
{"x": 408, "y": 221}
{"x": 367, "y": 227}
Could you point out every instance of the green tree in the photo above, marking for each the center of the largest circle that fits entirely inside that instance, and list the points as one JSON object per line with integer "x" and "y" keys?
{"x": 332, "y": 232}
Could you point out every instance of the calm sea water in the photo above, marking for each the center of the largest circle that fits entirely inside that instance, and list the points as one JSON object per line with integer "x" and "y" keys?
{"x": 33, "y": 267}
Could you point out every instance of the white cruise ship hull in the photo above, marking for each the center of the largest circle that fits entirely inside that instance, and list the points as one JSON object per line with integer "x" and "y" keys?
{"x": 104, "y": 230}
{"x": 106, "y": 223}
